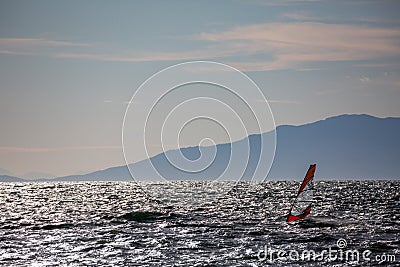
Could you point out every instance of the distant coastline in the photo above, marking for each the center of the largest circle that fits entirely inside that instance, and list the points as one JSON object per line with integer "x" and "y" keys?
{"x": 346, "y": 147}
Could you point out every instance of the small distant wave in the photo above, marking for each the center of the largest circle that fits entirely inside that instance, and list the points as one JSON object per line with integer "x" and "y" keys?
{"x": 320, "y": 222}
{"x": 318, "y": 238}
{"x": 53, "y": 226}
{"x": 144, "y": 216}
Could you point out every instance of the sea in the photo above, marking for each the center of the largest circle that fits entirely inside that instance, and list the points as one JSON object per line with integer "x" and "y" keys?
{"x": 352, "y": 223}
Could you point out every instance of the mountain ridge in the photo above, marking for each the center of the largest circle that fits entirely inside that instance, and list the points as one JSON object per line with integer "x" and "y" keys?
{"x": 348, "y": 146}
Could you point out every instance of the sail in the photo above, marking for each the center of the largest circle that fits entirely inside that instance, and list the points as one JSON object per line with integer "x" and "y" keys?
{"x": 301, "y": 206}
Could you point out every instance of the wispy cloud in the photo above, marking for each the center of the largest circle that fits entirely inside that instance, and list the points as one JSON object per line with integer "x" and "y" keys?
{"x": 280, "y": 2}
{"x": 277, "y": 101}
{"x": 32, "y": 46}
{"x": 13, "y": 149}
{"x": 303, "y": 16}
{"x": 276, "y": 45}
{"x": 130, "y": 102}
{"x": 305, "y": 2}
{"x": 379, "y": 65}
{"x": 38, "y": 42}
{"x": 10, "y": 52}
{"x": 91, "y": 147}
{"x": 146, "y": 56}
{"x": 307, "y": 16}
{"x": 365, "y": 79}
{"x": 292, "y": 44}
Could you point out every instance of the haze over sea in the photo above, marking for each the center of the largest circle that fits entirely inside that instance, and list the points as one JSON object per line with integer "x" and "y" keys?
{"x": 115, "y": 223}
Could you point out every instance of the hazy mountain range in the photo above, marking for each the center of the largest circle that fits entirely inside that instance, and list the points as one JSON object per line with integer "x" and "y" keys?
{"x": 344, "y": 147}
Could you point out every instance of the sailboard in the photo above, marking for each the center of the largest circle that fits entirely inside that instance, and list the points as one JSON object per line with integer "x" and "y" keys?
{"x": 301, "y": 206}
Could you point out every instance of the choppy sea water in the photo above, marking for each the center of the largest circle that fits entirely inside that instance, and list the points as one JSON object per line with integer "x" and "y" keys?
{"x": 116, "y": 224}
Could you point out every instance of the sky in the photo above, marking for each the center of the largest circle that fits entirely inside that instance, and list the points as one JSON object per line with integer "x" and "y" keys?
{"x": 68, "y": 69}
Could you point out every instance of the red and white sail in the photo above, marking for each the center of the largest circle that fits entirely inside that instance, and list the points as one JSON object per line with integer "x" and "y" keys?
{"x": 301, "y": 207}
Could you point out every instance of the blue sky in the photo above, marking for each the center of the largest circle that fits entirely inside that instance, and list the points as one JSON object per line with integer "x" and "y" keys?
{"x": 68, "y": 68}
